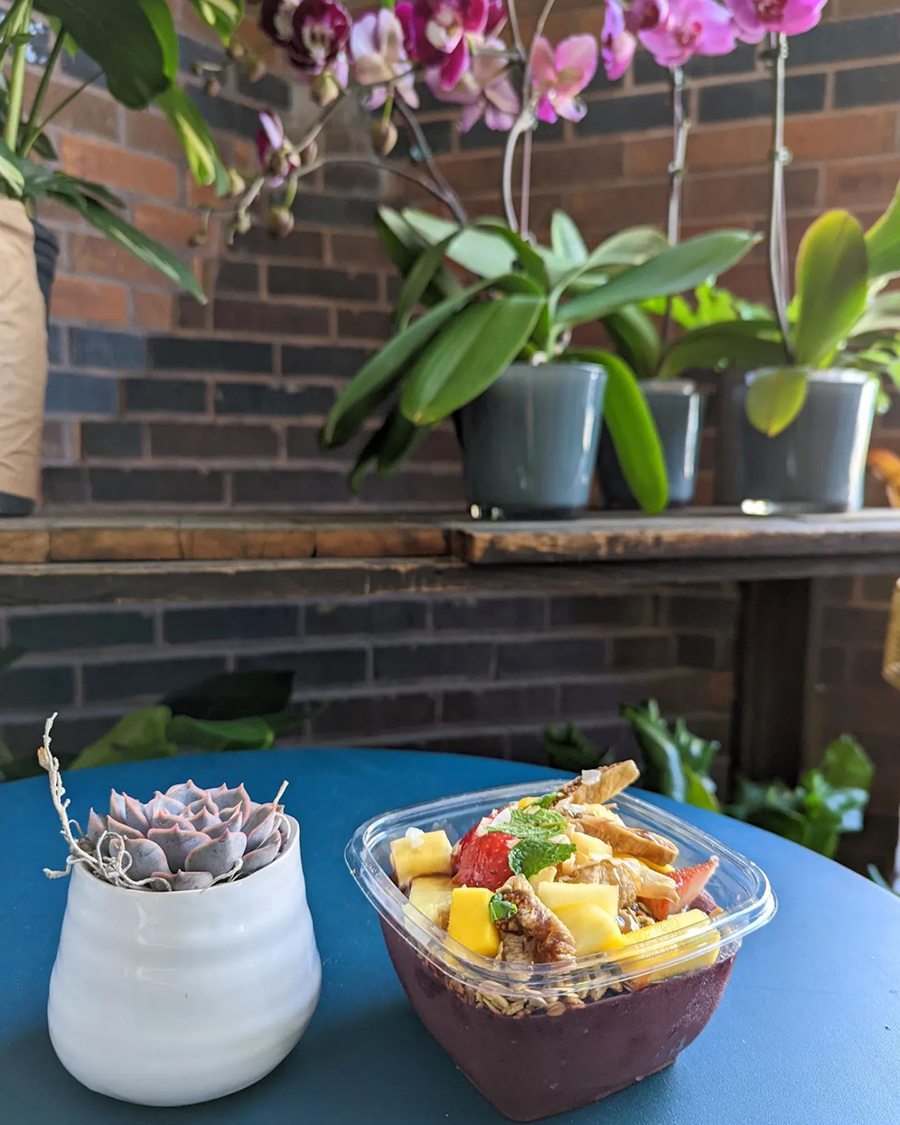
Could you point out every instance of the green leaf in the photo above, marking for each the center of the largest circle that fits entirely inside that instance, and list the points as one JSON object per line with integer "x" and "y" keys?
{"x": 223, "y": 16}
{"x": 526, "y": 256}
{"x": 831, "y": 284}
{"x": 775, "y": 398}
{"x": 130, "y": 40}
{"x": 565, "y": 238}
{"x": 747, "y": 343}
{"x": 139, "y": 735}
{"x": 672, "y": 271}
{"x": 700, "y": 792}
{"x": 391, "y": 444}
{"x": 197, "y": 141}
{"x": 404, "y": 247}
{"x": 530, "y": 856}
{"x": 632, "y": 430}
{"x": 535, "y": 821}
{"x": 480, "y": 251}
{"x": 129, "y": 237}
{"x": 636, "y": 339}
{"x": 377, "y": 378}
{"x": 10, "y": 172}
{"x": 883, "y": 243}
{"x": 419, "y": 278}
{"x": 846, "y": 765}
{"x": 464, "y": 359}
{"x": 235, "y": 695}
{"x": 568, "y": 748}
{"x": 499, "y": 909}
{"x": 629, "y": 247}
{"x": 252, "y": 733}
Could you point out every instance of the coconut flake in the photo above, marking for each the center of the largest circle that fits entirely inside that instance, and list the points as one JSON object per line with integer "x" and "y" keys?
{"x": 590, "y": 777}
{"x": 416, "y": 837}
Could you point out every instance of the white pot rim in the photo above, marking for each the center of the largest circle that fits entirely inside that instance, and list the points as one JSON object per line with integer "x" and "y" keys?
{"x": 101, "y": 886}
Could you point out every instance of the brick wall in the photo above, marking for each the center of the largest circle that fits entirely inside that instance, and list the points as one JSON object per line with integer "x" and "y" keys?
{"x": 156, "y": 401}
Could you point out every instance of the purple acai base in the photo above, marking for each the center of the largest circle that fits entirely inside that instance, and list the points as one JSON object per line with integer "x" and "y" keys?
{"x": 537, "y": 1065}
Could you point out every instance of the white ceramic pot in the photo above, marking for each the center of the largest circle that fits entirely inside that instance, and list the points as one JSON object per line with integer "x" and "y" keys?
{"x": 169, "y": 998}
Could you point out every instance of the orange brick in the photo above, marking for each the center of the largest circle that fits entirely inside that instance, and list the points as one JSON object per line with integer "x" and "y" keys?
{"x": 578, "y": 165}
{"x": 165, "y": 223}
{"x": 629, "y": 203}
{"x": 739, "y": 197}
{"x": 151, "y": 132}
{"x": 154, "y": 310}
{"x": 842, "y": 135}
{"x": 93, "y": 302}
{"x": 93, "y": 254}
{"x": 118, "y": 167}
{"x": 860, "y": 183}
{"x": 738, "y": 146}
{"x": 90, "y": 112}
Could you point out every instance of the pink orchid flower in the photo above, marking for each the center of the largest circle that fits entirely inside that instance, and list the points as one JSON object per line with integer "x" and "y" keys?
{"x": 755, "y": 17}
{"x": 314, "y": 32}
{"x": 645, "y": 15}
{"x": 485, "y": 89}
{"x": 379, "y": 56}
{"x": 617, "y": 44}
{"x": 276, "y": 161}
{"x": 559, "y": 75}
{"x": 437, "y": 34}
{"x": 693, "y": 27}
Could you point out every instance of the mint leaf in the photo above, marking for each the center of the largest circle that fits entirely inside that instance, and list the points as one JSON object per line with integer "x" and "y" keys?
{"x": 531, "y": 855}
{"x": 532, "y": 822}
{"x": 499, "y": 908}
{"x": 549, "y": 800}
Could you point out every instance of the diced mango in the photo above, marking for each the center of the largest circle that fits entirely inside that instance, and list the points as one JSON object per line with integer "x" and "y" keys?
{"x": 431, "y": 894}
{"x": 594, "y": 929}
{"x": 704, "y": 940}
{"x": 425, "y": 853}
{"x": 588, "y": 849}
{"x": 470, "y": 922}
{"x": 559, "y": 895}
{"x": 524, "y": 802}
{"x": 545, "y": 875}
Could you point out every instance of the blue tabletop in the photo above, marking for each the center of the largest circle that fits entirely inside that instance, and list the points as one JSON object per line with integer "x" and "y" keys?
{"x": 808, "y": 1030}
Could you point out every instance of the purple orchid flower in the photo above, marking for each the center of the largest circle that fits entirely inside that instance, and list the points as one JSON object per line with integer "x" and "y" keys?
{"x": 276, "y": 18}
{"x": 756, "y": 17}
{"x": 693, "y": 27}
{"x": 485, "y": 89}
{"x": 379, "y": 56}
{"x": 645, "y": 15}
{"x": 320, "y": 31}
{"x": 276, "y": 160}
{"x": 559, "y": 75}
{"x": 617, "y": 44}
{"x": 437, "y": 34}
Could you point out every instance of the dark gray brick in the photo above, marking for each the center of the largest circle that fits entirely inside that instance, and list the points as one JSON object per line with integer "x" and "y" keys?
{"x": 581, "y": 611}
{"x": 432, "y": 661}
{"x": 176, "y": 353}
{"x": 65, "y": 485}
{"x": 119, "y": 351}
{"x": 220, "y": 623}
{"x": 320, "y": 360}
{"x": 835, "y": 41}
{"x": 68, "y": 393}
{"x": 264, "y": 399}
{"x": 237, "y": 276}
{"x": 270, "y": 90}
{"x": 873, "y": 85}
{"x": 544, "y": 658}
{"x": 58, "y": 632}
{"x": 164, "y": 396}
{"x": 111, "y": 439}
{"x": 315, "y": 667}
{"x": 625, "y": 115}
{"x": 322, "y": 282}
{"x": 803, "y": 94}
{"x": 288, "y": 487}
{"x": 126, "y": 679}
{"x": 44, "y": 689}
{"x": 484, "y": 614}
{"x": 357, "y": 715}
{"x": 501, "y": 704}
{"x": 652, "y": 651}
{"x": 702, "y": 613}
{"x": 742, "y": 58}
{"x": 366, "y": 617}
{"x": 163, "y": 486}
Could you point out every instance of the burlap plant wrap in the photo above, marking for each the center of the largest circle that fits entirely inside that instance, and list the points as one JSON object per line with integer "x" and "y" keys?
{"x": 23, "y": 354}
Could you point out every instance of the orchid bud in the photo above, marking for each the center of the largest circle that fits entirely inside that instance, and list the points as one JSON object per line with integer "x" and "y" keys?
{"x": 236, "y": 50}
{"x": 212, "y": 86}
{"x": 279, "y": 222}
{"x": 324, "y": 89}
{"x": 384, "y": 137}
{"x": 240, "y": 224}
{"x": 254, "y": 68}
{"x": 197, "y": 239}
{"x": 309, "y": 154}
{"x": 237, "y": 185}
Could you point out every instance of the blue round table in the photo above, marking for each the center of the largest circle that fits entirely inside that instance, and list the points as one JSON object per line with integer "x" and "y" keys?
{"x": 808, "y": 1030}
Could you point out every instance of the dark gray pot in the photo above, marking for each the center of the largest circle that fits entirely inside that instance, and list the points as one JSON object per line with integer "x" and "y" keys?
{"x": 530, "y": 441}
{"x": 816, "y": 465}
{"x": 46, "y": 249}
{"x": 677, "y": 409}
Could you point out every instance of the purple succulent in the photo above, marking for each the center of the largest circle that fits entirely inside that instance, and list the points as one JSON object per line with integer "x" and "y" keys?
{"x": 189, "y": 838}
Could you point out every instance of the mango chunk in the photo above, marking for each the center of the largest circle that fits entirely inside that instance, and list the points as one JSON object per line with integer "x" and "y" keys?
{"x": 703, "y": 942}
{"x": 420, "y": 853}
{"x": 545, "y": 875}
{"x": 560, "y": 895}
{"x": 431, "y": 894}
{"x": 588, "y": 849}
{"x": 470, "y": 922}
{"x": 594, "y": 929}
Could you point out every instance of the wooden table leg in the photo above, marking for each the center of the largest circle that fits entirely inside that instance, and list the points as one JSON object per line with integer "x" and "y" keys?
{"x": 774, "y": 665}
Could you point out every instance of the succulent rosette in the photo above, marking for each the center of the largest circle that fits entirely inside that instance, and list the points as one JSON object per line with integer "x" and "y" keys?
{"x": 187, "y": 838}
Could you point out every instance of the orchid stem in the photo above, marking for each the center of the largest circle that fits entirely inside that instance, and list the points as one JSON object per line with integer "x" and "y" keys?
{"x": 681, "y": 125}
{"x": 367, "y": 161}
{"x": 16, "y": 88}
{"x": 776, "y": 56}
{"x": 33, "y": 129}
{"x": 444, "y": 190}
{"x": 525, "y": 198}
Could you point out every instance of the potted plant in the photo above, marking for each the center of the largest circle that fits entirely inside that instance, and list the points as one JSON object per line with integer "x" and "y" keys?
{"x": 495, "y": 353}
{"x": 135, "y": 49}
{"x": 185, "y": 911}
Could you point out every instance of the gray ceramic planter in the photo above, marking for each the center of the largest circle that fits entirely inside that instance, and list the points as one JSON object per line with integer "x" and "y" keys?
{"x": 816, "y": 465}
{"x": 530, "y": 441}
{"x": 677, "y": 409}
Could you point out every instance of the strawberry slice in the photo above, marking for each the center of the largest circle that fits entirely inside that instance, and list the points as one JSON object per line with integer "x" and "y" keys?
{"x": 483, "y": 861}
{"x": 689, "y": 883}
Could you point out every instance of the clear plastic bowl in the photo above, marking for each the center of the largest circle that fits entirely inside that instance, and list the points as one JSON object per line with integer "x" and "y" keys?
{"x": 545, "y": 1039}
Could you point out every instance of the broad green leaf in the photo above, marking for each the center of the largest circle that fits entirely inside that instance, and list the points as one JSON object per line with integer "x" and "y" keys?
{"x": 482, "y": 252}
{"x": 831, "y": 284}
{"x": 629, "y": 247}
{"x": 404, "y": 247}
{"x": 465, "y": 358}
{"x": 223, "y": 16}
{"x": 882, "y": 315}
{"x": 150, "y": 252}
{"x": 391, "y": 444}
{"x": 746, "y": 343}
{"x": 376, "y": 379}
{"x": 199, "y": 147}
{"x": 636, "y": 338}
{"x": 847, "y": 765}
{"x": 883, "y": 242}
{"x": 699, "y": 792}
{"x": 235, "y": 695}
{"x": 10, "y": 172}
{"x": 251, "y": 733}
{"x": 565, "y": 238}
{"x": 674, "y": 270}
{"x": 775, "y": 398}
{"x": 131, "y": 42}
{"x": 526, "y": 256}
{"x": 140, "y": 734}
{"x": 632, "y": 430}
{"x": 420, "y": 276}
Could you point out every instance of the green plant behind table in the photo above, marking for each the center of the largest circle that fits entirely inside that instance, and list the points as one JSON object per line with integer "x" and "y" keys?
{"x": 522, "y": 304}
{"x": 840, "y": 317}
{"x": 828, "y": 800}
{"x": 234, "y": 711}
{"x": 133, "y": 46}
